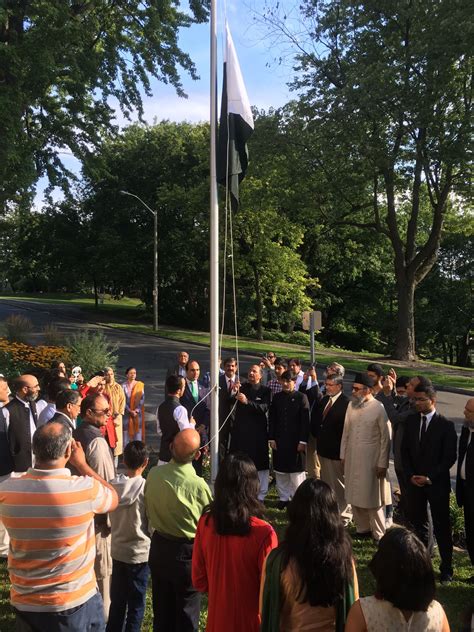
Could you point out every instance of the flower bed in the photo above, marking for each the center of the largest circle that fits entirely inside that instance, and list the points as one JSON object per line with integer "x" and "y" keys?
{"x": 16, "y": 357}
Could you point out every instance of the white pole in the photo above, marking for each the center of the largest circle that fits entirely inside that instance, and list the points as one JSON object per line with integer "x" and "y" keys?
{"x": 214, "y": 263}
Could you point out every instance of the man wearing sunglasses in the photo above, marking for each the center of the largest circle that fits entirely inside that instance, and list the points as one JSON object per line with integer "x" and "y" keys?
{"x": 94, "y": 414}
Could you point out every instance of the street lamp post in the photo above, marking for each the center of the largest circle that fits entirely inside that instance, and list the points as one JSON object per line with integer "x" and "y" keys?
{"x": 155, "y": 257}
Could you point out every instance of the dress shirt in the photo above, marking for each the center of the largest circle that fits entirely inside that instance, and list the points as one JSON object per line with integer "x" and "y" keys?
{"x": 299, "y": 380}
{"x": 274, "y": 386}
{"x": 333, "y": 399}
{"x": 180, "y": 415}
{"x": 182, "y": 371}
{"x": 175, "y": 497}
{"x": 429, "y": 417}
{"x": 462, "y": 471}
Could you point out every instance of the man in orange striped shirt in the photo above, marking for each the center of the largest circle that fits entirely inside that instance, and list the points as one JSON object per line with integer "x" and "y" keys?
{"x": 49, "y": 515}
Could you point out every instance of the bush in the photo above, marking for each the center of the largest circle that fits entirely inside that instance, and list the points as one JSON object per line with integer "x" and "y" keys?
{"x": 92, "y": 352}
{"x": 457, "y": 521}
{"x": 17, "y": 328}
{"x": 52, "y": 336}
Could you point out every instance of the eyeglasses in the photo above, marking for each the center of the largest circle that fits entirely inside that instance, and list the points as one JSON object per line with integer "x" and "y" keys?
{"x": 106, "y": 411}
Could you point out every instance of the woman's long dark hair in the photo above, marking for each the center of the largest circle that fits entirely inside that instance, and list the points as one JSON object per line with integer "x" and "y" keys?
{"x": 235, "y": 496}
{"x": 318, "y": 543}
{"x": 403, "y": 571}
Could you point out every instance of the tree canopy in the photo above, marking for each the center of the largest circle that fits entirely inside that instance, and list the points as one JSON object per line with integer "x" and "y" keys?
{"x": 65, "y": 65}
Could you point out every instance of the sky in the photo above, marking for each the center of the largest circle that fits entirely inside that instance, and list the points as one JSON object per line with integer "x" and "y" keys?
{"x": 265, "y": 74}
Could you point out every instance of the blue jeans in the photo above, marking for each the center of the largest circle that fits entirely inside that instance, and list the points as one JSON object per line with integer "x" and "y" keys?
{"x": 89, "y": 617}
{"x": 127, "y": 596}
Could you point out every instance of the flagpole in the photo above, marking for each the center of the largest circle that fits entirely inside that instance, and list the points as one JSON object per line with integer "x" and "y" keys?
{"x": 214, "y": 256}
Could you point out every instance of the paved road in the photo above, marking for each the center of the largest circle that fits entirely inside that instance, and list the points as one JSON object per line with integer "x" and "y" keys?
{"x": 152, "y": 356}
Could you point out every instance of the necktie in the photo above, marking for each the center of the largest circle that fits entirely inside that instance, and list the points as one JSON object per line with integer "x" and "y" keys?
{"x": 194, "y": 391}
{"x": 327, "y": 408}
{"x": 33, "y": 412}
{"x": 423, "y": 429}
{"x": 231, "y": 386}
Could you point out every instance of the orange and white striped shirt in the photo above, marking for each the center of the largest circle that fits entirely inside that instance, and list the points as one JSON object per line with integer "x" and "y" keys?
{"x": 49, "y": 516}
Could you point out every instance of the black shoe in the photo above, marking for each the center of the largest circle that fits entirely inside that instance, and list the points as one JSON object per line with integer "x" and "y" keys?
{"x": 445, "y": 578}
{"x": 283, "y": 504}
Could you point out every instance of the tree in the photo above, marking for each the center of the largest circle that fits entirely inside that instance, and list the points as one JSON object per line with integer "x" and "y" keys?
{"x": 386, "y": 106}
{"x": 167, "y": 166}
{"x": 268, "y": 265}
{"x": 65, "y": 63}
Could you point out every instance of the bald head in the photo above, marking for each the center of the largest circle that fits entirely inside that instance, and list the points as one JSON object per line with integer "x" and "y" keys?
{"x": 27, "y": 387}
{"x": 51, "y": 444}
{"x": 185, "y": 445}
{"x": 469, "y": 412}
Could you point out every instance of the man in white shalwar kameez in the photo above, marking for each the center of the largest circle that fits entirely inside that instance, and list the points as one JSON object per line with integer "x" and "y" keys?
{"x": 365, "y": 448}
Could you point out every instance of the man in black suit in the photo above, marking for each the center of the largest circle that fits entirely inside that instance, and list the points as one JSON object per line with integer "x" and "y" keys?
{"x": 465, "y": 477}
{"x": 68, "y": 407}
{"x": 228, "y": 389}
{"x": 327, "y": 425}
{"x": 22, "y": 418}
{"x": 6, "y": 463}
{"x": 428, "y": 452}
{"x": 197, "y": 404}
{"x": 250, "y": 429}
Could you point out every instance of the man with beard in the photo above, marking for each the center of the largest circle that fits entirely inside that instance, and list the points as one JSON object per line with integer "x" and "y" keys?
{"x": 365, "y": 448}
{"x": 22, "y": 419}
{"x": 288, "y": 437}
{"x": 327, "y": 425}
{"x": 250, "y": 429}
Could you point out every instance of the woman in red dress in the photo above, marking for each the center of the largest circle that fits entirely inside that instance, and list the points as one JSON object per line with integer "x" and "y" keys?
{"x": 232, "y": 542}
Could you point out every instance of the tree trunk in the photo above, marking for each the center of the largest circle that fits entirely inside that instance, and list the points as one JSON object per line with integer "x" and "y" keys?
{"x": 405, "y": 345}
{"x": 258, "y": 303}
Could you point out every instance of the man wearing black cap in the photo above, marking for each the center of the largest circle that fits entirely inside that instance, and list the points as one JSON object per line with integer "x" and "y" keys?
{"x": 365, "y": 448}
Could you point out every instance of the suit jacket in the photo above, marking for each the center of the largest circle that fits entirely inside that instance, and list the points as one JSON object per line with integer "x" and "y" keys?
{"x": 64, "y": 419}
{"x": 328, "y": 431}
{"x": 6, "y": 462}
{"x": 19, "y": 435}
{"x": 313, "y": 394}
{"x": 465, "y": 487}
{"x": 202, "y": 412}
{"x": 438, "y": 453}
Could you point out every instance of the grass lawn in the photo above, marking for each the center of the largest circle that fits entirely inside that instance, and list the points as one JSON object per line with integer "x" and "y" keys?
{"x": 455, "y": 597}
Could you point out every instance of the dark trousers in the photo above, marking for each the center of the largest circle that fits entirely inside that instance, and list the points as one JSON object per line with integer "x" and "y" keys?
{"x": 89, "y": 617}
{"x": 468, "y": 506}
{"x": 127, "y": 596}
{"x": 176, "y": 605}
{"x": 417, "y": 517}
{"x": 403, "y": 492}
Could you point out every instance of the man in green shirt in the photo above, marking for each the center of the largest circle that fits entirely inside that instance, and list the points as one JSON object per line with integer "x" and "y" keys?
{"x": 175, "y": 497}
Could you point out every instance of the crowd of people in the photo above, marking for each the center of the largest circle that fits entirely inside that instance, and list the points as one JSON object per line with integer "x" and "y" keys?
{"x": 84, "y": 530}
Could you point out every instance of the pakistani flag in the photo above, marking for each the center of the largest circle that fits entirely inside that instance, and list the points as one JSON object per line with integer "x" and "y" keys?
{"x": 235, "y": 125}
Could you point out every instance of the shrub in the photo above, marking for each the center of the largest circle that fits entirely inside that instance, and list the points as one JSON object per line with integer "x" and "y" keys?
{"x": 52, "y": 336}
{"x": 457, "y": 521}
{"x": 17, "y": 327}
{"x": 92, "y": 352}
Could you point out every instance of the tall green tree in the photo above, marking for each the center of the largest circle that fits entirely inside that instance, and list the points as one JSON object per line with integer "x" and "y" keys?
{"x": 386, "y": 107}
{"x": 65, "y": 63}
